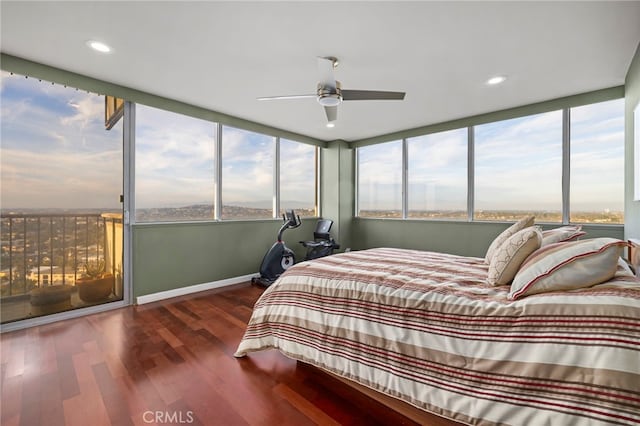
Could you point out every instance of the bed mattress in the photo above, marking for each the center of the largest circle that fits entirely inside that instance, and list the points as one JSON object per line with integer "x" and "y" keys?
{"x": 426, "y": 328}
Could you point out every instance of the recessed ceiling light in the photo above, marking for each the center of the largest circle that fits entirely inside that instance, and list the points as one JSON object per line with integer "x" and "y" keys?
{"x": 98, "y": 46}
{"x": 330, "y": 124}
{"x": 496, "y": 80}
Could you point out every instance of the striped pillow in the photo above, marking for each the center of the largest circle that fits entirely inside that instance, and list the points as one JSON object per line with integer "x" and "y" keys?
{"x": 562, "y": 234}
{"x": 507, "y": 260}
{"x": 525, "y": 222}
{"x": 567, "y": 266}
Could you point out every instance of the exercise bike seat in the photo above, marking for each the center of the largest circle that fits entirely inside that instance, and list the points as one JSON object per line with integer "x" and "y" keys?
{"x": 322, "y": 243}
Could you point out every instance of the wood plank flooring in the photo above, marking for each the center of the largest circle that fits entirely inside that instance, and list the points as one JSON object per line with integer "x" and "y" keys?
{"x": 169, "y": 362}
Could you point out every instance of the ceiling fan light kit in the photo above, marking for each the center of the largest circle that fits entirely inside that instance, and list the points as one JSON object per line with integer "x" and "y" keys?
{"x": 328, "y": 96}
{"x": 329, "y": 93}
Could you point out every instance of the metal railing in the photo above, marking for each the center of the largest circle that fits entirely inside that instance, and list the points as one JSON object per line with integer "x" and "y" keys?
{"x": 44, "y": 249}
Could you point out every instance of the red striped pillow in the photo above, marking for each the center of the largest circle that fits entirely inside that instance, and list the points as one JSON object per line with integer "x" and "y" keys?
{"x": 567, "y": 266}
{"x": 562, "y": 234}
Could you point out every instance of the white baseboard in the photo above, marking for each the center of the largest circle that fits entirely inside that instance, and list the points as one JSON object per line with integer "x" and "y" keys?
{"x": 161, "y": 295}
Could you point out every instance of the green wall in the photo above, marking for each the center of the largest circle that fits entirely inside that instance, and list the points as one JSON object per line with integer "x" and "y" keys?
{"x": 463, "y": 238}
{"x": 632, "y": 98}
{"x": 337, "y": 194}
{"x": 175, "y": 255}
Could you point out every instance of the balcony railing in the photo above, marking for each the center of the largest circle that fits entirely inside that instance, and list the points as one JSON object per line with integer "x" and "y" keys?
{"x": 40, "y": 250}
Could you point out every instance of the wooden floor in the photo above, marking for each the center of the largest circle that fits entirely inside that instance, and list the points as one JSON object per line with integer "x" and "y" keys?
{"x": 169, "y": 362}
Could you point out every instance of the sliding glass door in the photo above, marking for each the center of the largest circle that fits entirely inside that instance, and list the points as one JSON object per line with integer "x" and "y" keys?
{"x": 61, "y": 199}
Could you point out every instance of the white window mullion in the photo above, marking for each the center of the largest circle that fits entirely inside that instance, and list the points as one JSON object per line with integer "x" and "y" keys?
{"x": 318, "y": 165}
{"x": 470, "y": 172}
{"x": 129, "y": 162}
{"x": 128, "y": 205}
{"x": 218, "y": 171}
{"x": 566, "y": 164}
{"x": 405, "y": 178}
{"x": 356, "y": 191}
{"x": 276, "y": 177}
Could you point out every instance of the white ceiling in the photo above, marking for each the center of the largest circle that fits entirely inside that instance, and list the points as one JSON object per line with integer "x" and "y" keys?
{"x": 222, "y": 55}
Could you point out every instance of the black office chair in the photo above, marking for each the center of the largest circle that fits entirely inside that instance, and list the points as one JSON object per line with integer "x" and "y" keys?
{"x": 322, "y": 244}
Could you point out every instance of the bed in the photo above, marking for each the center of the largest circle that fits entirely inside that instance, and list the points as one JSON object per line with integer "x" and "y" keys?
{"x": 426, "y": 328}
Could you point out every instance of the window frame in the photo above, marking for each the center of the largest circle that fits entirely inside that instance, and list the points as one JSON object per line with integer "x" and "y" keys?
{"x": 132, "y": 134}
{"x": 217, "y": 181}
{"x": 565, "y": 173}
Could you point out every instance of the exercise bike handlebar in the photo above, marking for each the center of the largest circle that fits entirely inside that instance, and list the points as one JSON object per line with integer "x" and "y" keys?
{"x": 291, "y": 220}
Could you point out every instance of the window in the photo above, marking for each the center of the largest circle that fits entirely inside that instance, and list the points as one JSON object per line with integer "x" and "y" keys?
{"x": 176, "y": 171}
{"x": 298, "y": 177}
{"x": 247, "y": 174}
{"x": 174, "y": 166}
{"x": 597, "y": 163}
{"x": 437, "y": 175}
{"x": 380, "y": 180}
{"x": 518, "y": 168}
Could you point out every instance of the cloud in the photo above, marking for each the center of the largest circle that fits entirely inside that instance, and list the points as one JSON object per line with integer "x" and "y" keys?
{"x": 438, "y": 159}
{"x": 598, "y": 114}
{"x": 174, "y": 159}
{"x": 61, "y": 180}
{"x": 247, "y": 167}
{"x": 53, "y": 154}
{"x": 88, "y": 109}
{"x": 518, "y": 164}
{"x": 297, "y": 173}
{"x": 175, "y": 163}
{"x": 502, "y": 142}
{"x": 380, "y": 176}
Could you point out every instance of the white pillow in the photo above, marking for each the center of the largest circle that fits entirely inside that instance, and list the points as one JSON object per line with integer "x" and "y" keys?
{"x": 525, "y": 222}
{"x": 568, "y": 266}
{"x": 507, "y": 259}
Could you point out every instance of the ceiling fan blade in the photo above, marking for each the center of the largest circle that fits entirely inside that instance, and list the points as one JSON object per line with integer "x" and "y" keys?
{"x": 332, "y": 113}
{"x": 371, "y": 95}
{"x": 325, "y": 69}
{"x": 273, "y": 98}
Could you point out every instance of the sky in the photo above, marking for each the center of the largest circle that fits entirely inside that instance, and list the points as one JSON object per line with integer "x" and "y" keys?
{"x": 518, "y": 165}
{"x": 55, "y": 151}
{"x": 438, "y": 171}
{"x": 175, "y": 164}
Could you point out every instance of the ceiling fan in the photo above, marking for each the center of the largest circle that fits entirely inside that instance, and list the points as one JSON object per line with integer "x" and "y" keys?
{"x": 330, "y": 93}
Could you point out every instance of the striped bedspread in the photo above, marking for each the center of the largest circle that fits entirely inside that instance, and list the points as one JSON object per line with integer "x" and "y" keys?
{"x": 426, "y": 328}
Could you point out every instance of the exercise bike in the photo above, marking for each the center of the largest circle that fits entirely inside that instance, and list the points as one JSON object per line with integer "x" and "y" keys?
{"x": 279, "y": 257}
